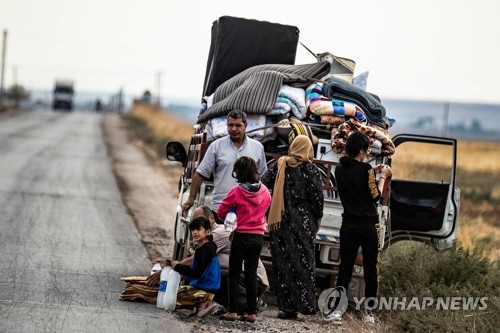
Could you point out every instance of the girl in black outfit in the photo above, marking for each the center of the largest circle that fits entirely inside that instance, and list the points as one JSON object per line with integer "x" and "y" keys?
{"x": 359, "y": 195}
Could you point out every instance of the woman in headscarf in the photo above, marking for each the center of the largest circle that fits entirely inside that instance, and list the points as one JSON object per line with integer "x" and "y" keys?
{"x": 294, "y": 218}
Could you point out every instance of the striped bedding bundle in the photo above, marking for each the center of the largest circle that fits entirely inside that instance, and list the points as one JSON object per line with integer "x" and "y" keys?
{"x": 346, "y": 109}
{"x": 315, "y": 101}
{"x": 319, "y": 105}
{"x": 339, "y": 89}
{"x": 255, "y": 90}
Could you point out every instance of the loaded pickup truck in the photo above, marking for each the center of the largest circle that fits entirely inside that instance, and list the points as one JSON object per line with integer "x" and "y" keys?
{"x": 420, "y": 202}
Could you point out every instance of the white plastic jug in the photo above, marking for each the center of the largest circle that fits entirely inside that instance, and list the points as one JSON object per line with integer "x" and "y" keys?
{"x": 170, "y": 298}
{"x": 156, "y": 267}
{"x": 163, "y": 285}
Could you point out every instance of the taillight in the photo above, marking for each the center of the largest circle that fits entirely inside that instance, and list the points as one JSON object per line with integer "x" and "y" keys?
{"x": 333, "y": 254}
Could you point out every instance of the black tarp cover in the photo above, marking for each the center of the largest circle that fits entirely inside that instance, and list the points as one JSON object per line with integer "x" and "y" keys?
{"x": 238, "y": 44}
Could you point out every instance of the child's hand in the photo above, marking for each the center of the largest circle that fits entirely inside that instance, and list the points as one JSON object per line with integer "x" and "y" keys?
{"x": 174, "y": 263}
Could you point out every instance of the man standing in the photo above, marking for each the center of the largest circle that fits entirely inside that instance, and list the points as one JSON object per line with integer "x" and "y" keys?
{"x": 220, "y": 157}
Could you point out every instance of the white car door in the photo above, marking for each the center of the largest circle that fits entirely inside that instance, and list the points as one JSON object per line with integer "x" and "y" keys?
{"x": 424, "y": 201}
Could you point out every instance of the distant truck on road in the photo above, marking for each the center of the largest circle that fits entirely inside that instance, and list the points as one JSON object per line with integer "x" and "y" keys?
{"x": 62, "y": 95}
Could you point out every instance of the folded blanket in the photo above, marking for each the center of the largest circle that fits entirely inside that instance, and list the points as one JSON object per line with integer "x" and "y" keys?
{"x": 280, "y": 108}
{"x": 295, "y": 98}
{"x": 373, "y": 132}
{"x": 314, "y": 97}
{"x": 137, "y": 290}
{"x": 255, "y": 90}
{"x": 339, "y": 89}
{"x": 319, "y": 105}
{"x": 332, "y": 120}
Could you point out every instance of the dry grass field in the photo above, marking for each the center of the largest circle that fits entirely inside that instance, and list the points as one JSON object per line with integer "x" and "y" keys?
{"x": 156, "y": 126}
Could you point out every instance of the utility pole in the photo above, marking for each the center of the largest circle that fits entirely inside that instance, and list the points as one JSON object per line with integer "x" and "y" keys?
{"x": 158, "y": 84}
{"x": 4, "y": 50}
{"x": 120, "y": 97}
{"x": 14, "y": 75}
{"x": 446, "y": 114}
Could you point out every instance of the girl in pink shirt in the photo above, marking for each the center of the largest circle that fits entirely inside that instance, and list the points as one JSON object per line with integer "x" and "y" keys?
{"x": 251, "y": 199}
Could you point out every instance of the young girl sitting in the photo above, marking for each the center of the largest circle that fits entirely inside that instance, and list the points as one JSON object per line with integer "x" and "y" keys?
{"x": 251, "y": 199}
{"x": 204, "y": 272}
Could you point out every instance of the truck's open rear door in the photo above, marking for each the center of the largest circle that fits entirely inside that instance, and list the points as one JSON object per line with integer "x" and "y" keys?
{"x": 424, "y": 201}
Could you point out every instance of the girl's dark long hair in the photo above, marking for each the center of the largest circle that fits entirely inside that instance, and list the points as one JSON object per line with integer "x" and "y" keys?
{"x": 201, "y": 222}
{"x": 356, "y": 142}
{"x": 245, "y": 170}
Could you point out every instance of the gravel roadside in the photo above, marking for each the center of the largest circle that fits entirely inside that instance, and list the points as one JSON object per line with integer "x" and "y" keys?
{"x": 150, "y": 195}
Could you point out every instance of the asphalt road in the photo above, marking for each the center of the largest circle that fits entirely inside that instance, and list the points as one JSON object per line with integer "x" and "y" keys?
{"x": 65, "y": 235}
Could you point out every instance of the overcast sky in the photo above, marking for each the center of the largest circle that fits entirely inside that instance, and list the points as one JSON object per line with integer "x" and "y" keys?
{"x": 426, "y": 49}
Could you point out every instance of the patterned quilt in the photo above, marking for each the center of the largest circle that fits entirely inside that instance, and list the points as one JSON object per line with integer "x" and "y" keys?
{"x": 373, "y": 132}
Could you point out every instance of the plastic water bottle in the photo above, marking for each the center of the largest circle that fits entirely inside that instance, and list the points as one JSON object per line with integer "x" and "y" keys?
{"x": 163, "y": 285}
{"x": 156, "y": 267}
{"x": 230, "y": 220}
{"x": 170, "y": 298}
